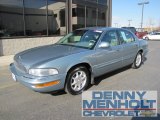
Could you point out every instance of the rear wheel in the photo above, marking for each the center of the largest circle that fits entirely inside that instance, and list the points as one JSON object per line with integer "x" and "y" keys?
{"x": 146, "y": 38}
{"x": 138, "y": 61}
{"x": 77, "y": 80}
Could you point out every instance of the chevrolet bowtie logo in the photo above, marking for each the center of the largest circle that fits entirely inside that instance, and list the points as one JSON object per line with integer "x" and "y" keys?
{"x": 147, "y": 113}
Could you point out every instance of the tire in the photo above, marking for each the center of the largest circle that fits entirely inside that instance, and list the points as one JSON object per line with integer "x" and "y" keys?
{"x": 138, "y": 61}
{"x": 77, "y": 80}
{"x": 146, "y": 38}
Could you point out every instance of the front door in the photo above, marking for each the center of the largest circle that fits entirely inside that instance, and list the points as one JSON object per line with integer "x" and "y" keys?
{"x": 109, "y": 59}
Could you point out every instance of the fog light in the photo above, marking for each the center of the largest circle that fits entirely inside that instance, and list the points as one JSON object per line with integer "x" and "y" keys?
{"x": 47, "y": 84}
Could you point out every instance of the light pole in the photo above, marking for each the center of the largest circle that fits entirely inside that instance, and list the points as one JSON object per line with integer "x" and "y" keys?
{"x": 129, "y": 23}
{"x": 116, "y": 24}
{"x": 142, "y": 3}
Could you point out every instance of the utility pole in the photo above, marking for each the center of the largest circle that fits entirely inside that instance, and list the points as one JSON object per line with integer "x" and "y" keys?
{"x": 129, "y": 23}
{"x": 142, "y": 3}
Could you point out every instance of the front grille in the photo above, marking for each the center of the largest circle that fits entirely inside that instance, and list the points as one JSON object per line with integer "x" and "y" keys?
{"x": 20, "y": 67}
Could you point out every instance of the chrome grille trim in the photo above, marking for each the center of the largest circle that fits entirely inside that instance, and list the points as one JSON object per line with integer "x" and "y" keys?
{"x": 20, "y": 67}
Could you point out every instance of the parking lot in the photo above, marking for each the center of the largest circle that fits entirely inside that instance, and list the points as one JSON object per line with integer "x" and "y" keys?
{"x": 20, "y": 103}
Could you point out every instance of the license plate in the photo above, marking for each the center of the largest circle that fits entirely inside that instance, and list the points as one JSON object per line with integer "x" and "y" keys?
{"x": 14, "y": 77}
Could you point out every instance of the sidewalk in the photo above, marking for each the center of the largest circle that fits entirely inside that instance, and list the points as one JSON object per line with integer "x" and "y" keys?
{"x": 6, "y": 60}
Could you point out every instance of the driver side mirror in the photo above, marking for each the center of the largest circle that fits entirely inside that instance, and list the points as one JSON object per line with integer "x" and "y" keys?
{"x": 104, "y": 45}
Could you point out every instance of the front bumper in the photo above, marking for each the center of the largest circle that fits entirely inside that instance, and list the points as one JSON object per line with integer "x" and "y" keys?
{"x": 31, "y": 81}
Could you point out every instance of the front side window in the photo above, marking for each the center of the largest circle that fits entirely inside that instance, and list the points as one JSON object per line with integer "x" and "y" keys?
{"x": 111, "y": 38}
{"x": 81, "y": 38}
{"x": 126, "y": 37}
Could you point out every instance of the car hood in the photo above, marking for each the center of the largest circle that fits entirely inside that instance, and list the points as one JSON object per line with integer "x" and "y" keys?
{"x": 43, "y": 54}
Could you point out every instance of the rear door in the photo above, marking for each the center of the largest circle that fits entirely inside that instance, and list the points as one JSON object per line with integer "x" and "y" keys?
{"x": 129, "y": 45}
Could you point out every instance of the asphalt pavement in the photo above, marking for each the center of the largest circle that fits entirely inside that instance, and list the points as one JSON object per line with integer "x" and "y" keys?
{"x": 20, "y": 103}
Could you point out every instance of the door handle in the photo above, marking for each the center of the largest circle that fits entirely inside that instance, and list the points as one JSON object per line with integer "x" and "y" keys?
{"x": 136, "y": 45}
{"x": 117, "y": 50}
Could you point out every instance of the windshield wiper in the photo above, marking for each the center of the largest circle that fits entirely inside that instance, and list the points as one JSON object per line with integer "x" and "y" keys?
{"x": 73, "y": 45}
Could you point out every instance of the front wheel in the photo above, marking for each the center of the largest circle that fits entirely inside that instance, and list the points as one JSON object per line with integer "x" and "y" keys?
{"x": 77, "y": 80}
{"x": 138, "y": 61}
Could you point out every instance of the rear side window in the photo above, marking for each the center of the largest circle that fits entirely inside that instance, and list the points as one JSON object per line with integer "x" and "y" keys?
{"x": 111, "y": 38}
{"x": 132, "y": 29}
{"x": 126, "y": 37}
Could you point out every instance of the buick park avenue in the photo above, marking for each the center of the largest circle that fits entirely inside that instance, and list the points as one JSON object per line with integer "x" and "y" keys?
{"x": 74, "y": 61}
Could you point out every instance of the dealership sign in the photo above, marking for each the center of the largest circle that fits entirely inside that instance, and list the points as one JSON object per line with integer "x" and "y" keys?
{"x": 119, "y": 103}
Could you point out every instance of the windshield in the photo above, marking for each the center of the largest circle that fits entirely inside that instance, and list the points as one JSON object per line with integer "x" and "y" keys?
{"x": 81, "y": 38}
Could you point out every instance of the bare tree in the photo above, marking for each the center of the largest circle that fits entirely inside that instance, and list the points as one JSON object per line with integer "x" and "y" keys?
{"x": 159, "y": 24}
{"x": 150, "y": 24}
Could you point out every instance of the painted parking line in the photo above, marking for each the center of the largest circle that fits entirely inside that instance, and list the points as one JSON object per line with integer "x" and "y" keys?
{"x": 7, "y": 86}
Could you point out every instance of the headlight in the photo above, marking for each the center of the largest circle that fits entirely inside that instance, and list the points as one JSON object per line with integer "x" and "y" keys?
{"x": 43, "y": 72}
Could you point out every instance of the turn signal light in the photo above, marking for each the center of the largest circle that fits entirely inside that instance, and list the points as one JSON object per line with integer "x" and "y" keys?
{"x": 47, "y": 84}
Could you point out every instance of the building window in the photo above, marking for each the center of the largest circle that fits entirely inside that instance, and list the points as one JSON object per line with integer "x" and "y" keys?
{"x": 94, "y": 1}
{"x": 35, "y": 17}
{"x": 55, "y": 15}
{"x": 81, "y": 11}
{"x": 56, "y": 24}
{"x": 11, "y": 18}
{"x": 48, "y": 17}
{"x": 32, "y": 18}
{"x": 94, "y": 13}
{"x": 91, "y": 19}
{"x": 74, "y": 12}
{"x": 78, "y": 14}
{"x": 101, "y": 17}
{"x": 102, "y": 2}
{"x": 62, "y": 18}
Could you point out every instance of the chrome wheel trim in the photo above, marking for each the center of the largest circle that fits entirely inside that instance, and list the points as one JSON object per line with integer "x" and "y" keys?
{"x": 138, "y": 60}
{"x": 78, "y": 80}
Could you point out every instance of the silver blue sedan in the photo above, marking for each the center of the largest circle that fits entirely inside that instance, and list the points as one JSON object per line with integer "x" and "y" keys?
{"x": 73, "y": 62}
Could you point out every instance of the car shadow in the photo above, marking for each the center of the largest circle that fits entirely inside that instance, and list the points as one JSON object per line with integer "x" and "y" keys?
{"x": 107, "y": 75}
{"x": 144, "y": 60}
{"x": 57, "y": 93}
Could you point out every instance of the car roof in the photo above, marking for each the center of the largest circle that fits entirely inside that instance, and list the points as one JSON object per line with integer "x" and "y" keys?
{"x": 128, "y": 27}
{"x": 99, "y": 28}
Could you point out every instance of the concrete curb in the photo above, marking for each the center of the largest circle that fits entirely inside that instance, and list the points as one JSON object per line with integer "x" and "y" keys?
{"x": 6, "y": 60}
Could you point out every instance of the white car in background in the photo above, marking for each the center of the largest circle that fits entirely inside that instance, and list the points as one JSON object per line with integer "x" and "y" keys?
{"x": 152, "y": 36}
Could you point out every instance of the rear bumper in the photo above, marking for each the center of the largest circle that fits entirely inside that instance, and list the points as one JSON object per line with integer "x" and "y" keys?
{"x": 32, "y": 82}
